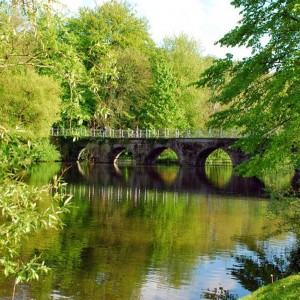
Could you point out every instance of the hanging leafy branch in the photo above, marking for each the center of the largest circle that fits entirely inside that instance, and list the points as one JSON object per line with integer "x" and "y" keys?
{"x": 21, "y": 211}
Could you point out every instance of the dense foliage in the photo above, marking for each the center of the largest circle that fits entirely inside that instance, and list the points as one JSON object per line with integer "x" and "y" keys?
{"x": 184, "y": 56}
{"x": 21, "y": 96}
{"x": 103, "y": 66}
{"x": 30, "y": 101}
{"x": 261, "y": 93}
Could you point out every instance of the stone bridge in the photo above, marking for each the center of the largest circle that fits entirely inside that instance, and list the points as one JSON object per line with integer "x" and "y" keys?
{"x": 190, "y": 151}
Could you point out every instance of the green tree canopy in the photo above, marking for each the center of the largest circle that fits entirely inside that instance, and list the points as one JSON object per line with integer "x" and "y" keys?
{"x": 187, "y": 62}
{"x": 162, "y": 109}
{"x": 261, "y": 92}
{"x": 111, "y": 40}
{"x": 27, "y": 35}
{"x": 29, "y": 101}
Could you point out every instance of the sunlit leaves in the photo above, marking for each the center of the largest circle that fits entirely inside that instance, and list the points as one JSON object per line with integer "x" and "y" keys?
{"x": 162, "y": 110}
{"x": 30, "y": 101}
{"x": 23, "y": 209}
{"x": 187, "y": 62}
{"x": 113, "y": 45}
{"x": 15, "y": 156}
{"x": 262, "y": 92}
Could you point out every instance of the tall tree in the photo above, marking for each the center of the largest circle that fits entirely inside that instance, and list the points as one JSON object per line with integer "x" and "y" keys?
{"x": 261, "y": 92}
{"x": 187, "y": 62}
{"x": 162, "y": 109}
{"x": 105, "y": 38}
{"x": 134, "y": 83}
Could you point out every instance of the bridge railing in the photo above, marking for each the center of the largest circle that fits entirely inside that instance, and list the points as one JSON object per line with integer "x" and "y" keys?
{"x": 145, "y": 133}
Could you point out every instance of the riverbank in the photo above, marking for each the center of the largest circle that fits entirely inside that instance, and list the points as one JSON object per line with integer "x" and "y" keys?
{"x": 286, "y": 288}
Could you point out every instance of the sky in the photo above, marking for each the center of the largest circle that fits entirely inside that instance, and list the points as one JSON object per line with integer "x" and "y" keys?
{"x": 206, "y": 21}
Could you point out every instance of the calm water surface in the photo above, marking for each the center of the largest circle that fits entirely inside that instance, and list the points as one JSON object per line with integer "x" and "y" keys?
{"x": 155, "y": 233}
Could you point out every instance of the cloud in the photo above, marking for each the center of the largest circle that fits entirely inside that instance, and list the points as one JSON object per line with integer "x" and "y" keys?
{"x": 204, "y": 20}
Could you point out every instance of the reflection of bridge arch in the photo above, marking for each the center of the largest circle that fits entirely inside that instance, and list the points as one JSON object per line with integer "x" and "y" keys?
{"x": 183, "y": 180}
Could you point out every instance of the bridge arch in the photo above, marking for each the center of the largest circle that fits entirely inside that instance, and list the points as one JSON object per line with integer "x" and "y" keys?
{"x": 84, "y": 152}
{"x": 115, "y": 153}
{"x": 202, "y": 157}
{"x": 81, "y": 154}
{"x": 152, "y": 156}
{"x": 94, "y": 152}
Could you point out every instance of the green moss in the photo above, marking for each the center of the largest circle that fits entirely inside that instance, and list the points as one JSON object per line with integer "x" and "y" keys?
{"x": 287, "y": 289}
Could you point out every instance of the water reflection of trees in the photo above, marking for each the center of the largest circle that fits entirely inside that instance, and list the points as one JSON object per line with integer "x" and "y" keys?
{"x": 263, "y": 268}
{"x": 131, "y": 224}
{"x": 220, "y": 177}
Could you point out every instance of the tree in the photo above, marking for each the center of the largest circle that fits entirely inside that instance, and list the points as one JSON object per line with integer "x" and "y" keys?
{"x": 104, "y": 38}
{"x": 187, "y": 62}
{"x": 134, "y": 83}
{"x": 261, "y": 92}
{"x": 162, "y": 110}
{"x": 29, "y": 101}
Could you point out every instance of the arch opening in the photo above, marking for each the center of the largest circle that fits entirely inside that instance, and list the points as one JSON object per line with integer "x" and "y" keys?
{"x": 218, "y": 157}
{"x": 124, "y": 157}
{"x": 121, "y": 155}
{"x": 85, "y": 154}
{"x": 213, "y": 156}
{"x": 218, "y": 167}
{"x": 162, "y": 155}
{"x": 167, "y": 156}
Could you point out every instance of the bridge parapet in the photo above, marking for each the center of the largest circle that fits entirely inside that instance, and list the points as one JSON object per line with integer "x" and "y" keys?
{"x": 145, "y": 133}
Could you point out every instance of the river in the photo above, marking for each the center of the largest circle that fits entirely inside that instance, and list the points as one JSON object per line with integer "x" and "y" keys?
{"x": 160, "y": 232}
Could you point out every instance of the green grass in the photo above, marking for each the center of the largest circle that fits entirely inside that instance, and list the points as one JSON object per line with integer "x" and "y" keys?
{"x": 284, "y": 289}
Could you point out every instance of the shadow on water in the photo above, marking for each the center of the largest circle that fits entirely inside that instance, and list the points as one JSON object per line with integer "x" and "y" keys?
{"x": 211, "y": 180}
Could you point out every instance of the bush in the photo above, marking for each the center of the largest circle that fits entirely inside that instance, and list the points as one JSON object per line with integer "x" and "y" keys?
{"x": 46, "y": 151}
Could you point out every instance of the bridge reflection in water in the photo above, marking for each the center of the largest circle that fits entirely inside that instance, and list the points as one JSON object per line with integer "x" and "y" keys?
{"x": 154, "y": 183}
{"x": 110, "y": 193}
